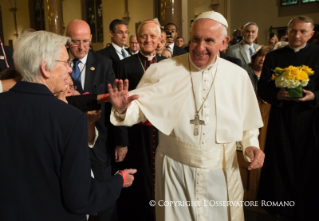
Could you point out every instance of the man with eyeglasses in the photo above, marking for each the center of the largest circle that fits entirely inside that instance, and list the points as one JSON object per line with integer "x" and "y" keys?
{"x": 290, "y": 171}
{"x": 92, "y": 72}
{"x": 134, "y": 45}
{"x": 118, "y": 33}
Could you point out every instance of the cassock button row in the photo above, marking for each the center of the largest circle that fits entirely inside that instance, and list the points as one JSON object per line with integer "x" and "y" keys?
{"x": 204, "y": 133}
{"x": 205, "y": 106}
{"x": 205, "y": 80}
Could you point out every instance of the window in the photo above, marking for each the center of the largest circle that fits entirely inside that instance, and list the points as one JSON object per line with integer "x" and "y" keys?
{"x": 288, "y": 2}
{"x": 92, "y": 14}
{"x": 308, "y": 1}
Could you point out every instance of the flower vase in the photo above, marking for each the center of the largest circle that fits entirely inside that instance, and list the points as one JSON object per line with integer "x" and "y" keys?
{"x": 294, "y": 92}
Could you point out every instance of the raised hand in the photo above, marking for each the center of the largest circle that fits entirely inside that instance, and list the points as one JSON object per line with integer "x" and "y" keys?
{"x": 119, "y": 97}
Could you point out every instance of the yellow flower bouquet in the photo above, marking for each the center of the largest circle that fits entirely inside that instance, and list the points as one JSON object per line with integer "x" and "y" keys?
{"x": 293, "y": 79}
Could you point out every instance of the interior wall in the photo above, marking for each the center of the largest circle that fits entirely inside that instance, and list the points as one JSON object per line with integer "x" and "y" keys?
{"x": 72, "y": 10}
{"x": 139, "y": 10}
{"x": 23, "y": 21}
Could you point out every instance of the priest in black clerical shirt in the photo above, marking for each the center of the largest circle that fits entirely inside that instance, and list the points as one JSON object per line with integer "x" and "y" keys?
{"x": 290, "y": 173}
{"x": 143, "y": 138}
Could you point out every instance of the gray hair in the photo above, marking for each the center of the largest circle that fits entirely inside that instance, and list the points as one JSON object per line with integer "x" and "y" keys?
{"x": 248, "y": 24}
{"x": 149, "y": 21}
{"x": 27, "y": 30}
{"x": 31, "y": 49}
{"x": 133, "y": 35}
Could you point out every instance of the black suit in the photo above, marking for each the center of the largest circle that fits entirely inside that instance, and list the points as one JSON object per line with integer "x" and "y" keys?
{"x": 9, "y": 53}
{"x": 98, "y": 74}
{"x": 44, "y": 160}
{"x": 231, "y": 59}
{"x": 178, "y": 51}
{"x": 111, "y": 53}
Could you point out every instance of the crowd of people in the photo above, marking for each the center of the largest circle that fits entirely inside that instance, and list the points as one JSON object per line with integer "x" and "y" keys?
{"x": 170, "y": 112}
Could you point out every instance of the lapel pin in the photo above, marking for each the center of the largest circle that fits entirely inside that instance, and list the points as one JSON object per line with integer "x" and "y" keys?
{"x": 92, "y": 68}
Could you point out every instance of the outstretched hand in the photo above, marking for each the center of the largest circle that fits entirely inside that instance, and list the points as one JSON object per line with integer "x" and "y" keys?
{"x": 119, "y": 97}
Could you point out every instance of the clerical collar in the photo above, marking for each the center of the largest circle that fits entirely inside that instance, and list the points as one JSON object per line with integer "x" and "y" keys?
{"x": 297, "y": 49}
{"x": 208, "y": 67}
{"x": 149, "y": 58}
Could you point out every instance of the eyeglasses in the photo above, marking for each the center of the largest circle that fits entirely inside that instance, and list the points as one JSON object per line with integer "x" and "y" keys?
{"x": 85, "y": 42}
{"x": 69, "y": 62}
{"x": 73, "y": 87}
{"x": 122, "y": 33}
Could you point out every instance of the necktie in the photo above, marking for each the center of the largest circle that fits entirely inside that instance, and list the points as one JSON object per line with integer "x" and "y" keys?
{"x": 76, "y": 75}
{"x": 251, "y": 50}
{"x": 124, "y": 53}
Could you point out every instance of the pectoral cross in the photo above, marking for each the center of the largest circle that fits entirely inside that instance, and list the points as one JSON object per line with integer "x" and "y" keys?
{"x": 196, "y": 123}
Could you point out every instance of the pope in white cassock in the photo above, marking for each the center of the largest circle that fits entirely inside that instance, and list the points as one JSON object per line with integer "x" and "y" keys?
{"x": 201, "y": 105}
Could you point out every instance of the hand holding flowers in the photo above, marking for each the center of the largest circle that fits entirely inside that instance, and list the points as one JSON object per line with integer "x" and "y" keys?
{"x": 291, "y": 80}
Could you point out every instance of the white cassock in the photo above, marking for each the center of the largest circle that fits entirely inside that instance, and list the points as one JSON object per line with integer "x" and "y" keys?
{"x": 199, "y": 171}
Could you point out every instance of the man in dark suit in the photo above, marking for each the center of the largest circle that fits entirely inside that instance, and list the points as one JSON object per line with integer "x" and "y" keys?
{"x": 91, "y": 73}
{"x": 134, "y": 45}
{"x": 44, "y": 147}
{"x": 6, "y": 60}
{"x": 118, "y": 33}
{"x": 172, "y": 28}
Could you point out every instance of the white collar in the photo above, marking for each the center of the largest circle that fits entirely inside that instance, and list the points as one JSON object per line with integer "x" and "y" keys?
{"x": 297, "y": 49}
{"x": 149, "y": 58}
{"x": 171, "y": 46}
{"x": 208, "y": 67}
{"x": 83, "y": 60}
{"x": 118, "y": 48}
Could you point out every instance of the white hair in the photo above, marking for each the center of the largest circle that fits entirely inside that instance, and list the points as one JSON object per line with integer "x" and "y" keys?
{"x": 31, "y": 49}
{"x": 149, "y": 21}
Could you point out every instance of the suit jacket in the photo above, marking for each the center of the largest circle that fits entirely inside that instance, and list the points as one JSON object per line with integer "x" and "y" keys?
{"x": 178, "y": 51}
{"x": 44, "y": 160}
{"x": 238, "y": 51}
{"x": 85, "y": 103}
{"x": 111, "y": 53}
{"x": 231, "y": 59}
{"x": 129, "y": 51}
{"x": 9, "y": 53}
{"x": 99, "y": 73}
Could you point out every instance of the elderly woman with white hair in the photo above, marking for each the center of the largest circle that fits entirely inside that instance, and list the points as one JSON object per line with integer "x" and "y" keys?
{"x": 44, "y": 163}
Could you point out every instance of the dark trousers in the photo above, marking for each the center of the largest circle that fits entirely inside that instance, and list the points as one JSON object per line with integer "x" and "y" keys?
{"x": 101, "y": 172}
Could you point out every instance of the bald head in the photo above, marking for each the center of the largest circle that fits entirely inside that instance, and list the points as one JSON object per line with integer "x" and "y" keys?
{"x": 80, "y": 34}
